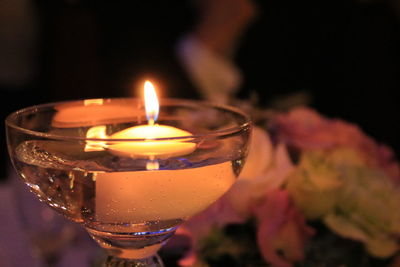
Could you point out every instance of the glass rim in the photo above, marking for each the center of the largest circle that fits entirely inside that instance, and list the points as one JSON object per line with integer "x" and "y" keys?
{"x": 10, "y": 121}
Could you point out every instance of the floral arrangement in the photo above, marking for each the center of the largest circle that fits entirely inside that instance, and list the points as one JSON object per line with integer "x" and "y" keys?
{"x": 314, "y": 190}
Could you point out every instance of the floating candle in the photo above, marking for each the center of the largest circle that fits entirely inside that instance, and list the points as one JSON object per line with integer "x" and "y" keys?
{"x": 150, "y": 146}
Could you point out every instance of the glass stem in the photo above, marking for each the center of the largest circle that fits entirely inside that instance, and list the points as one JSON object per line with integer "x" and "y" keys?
{"x": 152, "y": 261}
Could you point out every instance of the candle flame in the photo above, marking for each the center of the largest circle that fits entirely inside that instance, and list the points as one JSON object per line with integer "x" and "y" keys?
{"x": 151, "y": 102}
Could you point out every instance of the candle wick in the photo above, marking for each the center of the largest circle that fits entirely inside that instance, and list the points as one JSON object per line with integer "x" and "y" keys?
{"x": 152, "y": 164}
{"x": 151, "y": 121}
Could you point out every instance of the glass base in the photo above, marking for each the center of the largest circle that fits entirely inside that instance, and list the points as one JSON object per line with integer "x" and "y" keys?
{"x": 132, "y": 249}
{"x": 152, "y": 261}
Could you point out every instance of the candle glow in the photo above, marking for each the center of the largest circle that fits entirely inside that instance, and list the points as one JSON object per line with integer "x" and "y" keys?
{"x": 151, "y": 103}
{"x": 148, "y": 146}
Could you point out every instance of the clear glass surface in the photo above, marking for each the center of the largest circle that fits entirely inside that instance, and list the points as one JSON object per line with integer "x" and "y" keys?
{"x": 132, "y": 193}
{"x": 49, "y": 233}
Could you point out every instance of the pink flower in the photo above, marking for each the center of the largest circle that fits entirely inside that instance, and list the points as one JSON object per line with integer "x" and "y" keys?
{"x": 217, "y": 215}
{"x": 266, "y": 170}
{"x": 250, "y": 190}
{"x": 184, "y": 238}
{"x": 282, "y": 230}
{"x": 305, "y": 129}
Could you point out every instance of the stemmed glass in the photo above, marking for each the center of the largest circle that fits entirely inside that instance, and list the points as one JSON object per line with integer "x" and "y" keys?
{"x": 129, "y": 193}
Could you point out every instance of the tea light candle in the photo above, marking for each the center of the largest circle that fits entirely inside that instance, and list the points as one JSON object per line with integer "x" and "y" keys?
{"x": 150, "y": 147}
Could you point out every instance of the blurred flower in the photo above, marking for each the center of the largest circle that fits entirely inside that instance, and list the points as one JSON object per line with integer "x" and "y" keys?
{"x": 344, "y": 177}
{"x": 353, "y": 199}
{"x": 282, "y": 231}
{"x": 314, "y": 185}
{"x": 248, "y": 191}
{"x": 227, "y": 209}
{"x": 234, "y": 206}
{"x": 305, "y": 129}
{"x": 334, "y": 175}
{"x": 367, "y": 209}
{"x": 190, "y": 256}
